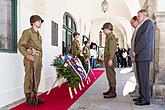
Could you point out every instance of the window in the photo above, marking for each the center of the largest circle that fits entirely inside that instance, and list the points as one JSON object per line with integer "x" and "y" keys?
{"x": 85, "y": 38}
{"x": 100, "y": 39}
{"x": 101, "y": 53}
{"x": 69, "y": 27}
{"x": 8, "y": 26}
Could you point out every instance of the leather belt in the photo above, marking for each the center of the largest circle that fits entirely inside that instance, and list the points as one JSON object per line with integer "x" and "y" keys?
{"x": 32, "y": 51}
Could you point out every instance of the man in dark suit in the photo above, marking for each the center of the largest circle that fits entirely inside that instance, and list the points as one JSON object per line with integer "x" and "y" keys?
{"x": 143, "y": 53}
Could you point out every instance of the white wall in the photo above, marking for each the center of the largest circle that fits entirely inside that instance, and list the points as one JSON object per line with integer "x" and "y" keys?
{"x": 11, "y": 66}
{"x": 160, "y": 6}
{"x": 54, "y": 11}
{"x": 96, "y": 27}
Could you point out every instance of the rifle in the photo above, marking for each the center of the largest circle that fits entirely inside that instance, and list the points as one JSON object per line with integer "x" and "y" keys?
{"x": 34, "y": 98}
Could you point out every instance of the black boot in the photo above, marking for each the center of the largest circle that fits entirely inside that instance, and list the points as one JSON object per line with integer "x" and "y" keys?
{"x": 112, "y": 93}
{"x": 39, "y": 100}
{"x": 107, "y": 92}
{"x": 28, "y": 99}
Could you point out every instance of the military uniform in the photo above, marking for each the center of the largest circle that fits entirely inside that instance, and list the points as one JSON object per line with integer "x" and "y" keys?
{"x": 75, "y": 48}
{"x": 86, "y": 52}
{"x": 31, "y": 43}
{"x": 30, "y": 46}
{"x": 109, "y": 53}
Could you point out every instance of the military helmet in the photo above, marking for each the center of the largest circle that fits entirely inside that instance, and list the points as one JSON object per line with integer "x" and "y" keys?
{"x": 107, "y": 25}
{"x": 35, "y": 18}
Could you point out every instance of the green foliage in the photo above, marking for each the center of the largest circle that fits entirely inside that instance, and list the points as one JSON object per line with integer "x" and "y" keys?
{"x": 66, "y": 72}
{"x": 84, "y": 63}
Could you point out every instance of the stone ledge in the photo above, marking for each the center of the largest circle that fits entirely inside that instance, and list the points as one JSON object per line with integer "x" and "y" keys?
{"x": 159, "y": 91}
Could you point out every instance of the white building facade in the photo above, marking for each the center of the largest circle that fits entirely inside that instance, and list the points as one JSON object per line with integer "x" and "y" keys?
{"x": 84, "y": 16}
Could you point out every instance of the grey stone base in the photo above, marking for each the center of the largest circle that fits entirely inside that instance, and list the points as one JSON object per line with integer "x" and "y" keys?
{"x": 159, "y": 91}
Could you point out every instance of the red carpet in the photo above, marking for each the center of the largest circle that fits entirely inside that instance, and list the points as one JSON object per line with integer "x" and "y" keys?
{"x": 59, "y": 98}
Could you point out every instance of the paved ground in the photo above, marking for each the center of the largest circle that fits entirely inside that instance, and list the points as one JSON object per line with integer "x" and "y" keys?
{"x": 93, "y": 98}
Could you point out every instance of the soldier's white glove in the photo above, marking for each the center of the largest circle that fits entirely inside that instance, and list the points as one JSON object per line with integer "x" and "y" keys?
{"x": 30, "y": 57}
{"x": 110, "y": 62}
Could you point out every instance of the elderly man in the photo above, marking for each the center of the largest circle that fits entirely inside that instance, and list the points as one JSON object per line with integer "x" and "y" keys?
{"x": 135, "y": 24}
{"x": 143, "y": 52}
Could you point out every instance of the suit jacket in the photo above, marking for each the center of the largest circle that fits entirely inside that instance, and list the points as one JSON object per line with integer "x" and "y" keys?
{"x": 143, "y": 46}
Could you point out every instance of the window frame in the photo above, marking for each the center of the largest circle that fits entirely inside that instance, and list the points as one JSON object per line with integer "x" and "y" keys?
{"x": 85, "y": 38}
{"x": 67, "y": 29}
{"x": 14, "y": 29}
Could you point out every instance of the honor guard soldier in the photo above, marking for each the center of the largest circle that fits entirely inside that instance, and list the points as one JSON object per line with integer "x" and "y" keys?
{"x": 76, "y": 45}
{"x": 86, "y": 55}
{"x": 30, "y": 46}
{"x": 110, "y": 60}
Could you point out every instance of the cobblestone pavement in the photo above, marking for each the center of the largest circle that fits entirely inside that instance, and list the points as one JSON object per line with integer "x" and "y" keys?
{"x": 93, "y": 98}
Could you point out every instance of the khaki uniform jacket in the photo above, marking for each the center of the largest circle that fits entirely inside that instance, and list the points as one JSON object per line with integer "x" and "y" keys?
{"x": 75, "y": 47}
{"x": 86, "y": 52}
{"x": 110, "y": 46}
{"x": 30, "y": 39}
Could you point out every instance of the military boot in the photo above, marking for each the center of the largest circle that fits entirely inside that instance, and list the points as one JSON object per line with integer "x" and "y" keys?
{"x": 28, "y": 99}
{"x": 39, "y": 100}
{"x": 107, "y": 92}
{"x": 112, "y": 93}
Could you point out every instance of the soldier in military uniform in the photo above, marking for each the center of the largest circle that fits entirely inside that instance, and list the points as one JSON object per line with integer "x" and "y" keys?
{"x": 85, "y": 50}
{"x": 30, "y": 46}
{"x": 110, "y": 60}
{"x": 86, "y": 54}
{"x": 76, "y": 45}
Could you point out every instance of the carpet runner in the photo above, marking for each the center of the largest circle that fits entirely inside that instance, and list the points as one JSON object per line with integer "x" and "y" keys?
{"x": 59, "y": 98}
